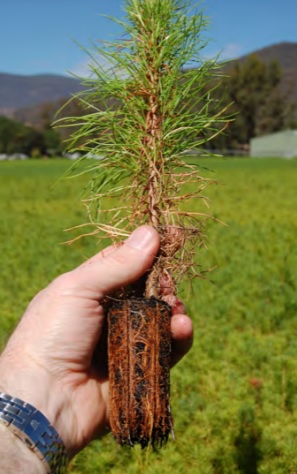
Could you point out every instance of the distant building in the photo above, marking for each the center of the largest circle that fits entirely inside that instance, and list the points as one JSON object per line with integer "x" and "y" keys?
{"x": 281, "y": 144}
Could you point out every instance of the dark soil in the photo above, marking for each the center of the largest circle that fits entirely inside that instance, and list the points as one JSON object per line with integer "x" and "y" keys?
{"x": 139, "y": 347}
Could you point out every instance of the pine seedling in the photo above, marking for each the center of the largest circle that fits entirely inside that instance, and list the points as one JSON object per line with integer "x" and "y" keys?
{"x": 147, "y": 105}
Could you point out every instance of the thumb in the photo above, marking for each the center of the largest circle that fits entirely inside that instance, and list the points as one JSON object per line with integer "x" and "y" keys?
{"x": 120, "y": 267}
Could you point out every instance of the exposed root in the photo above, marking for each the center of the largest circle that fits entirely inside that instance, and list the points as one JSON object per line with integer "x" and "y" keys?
{"x": 139, "y": 348}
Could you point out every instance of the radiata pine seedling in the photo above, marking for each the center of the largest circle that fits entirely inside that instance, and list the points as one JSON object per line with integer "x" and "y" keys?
{"x": 148, "y": 104}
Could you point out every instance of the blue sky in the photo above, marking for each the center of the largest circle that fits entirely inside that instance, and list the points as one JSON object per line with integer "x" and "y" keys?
{"x": 37, "y": 36}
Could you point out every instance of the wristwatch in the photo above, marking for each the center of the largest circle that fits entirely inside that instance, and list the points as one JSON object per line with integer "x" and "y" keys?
{"x": 35, "y": 430}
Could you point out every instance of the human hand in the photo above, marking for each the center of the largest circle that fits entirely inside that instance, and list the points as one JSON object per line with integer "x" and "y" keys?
{"x": 48, "y": 361}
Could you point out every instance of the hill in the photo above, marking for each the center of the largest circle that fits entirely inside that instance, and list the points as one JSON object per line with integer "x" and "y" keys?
{"x": 286, "y": 54}
{"x": 18, "y": 91}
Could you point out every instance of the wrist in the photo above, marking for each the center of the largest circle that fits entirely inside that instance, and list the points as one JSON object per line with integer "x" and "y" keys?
{"x": 16, "y": 458}
{"x": 35, "y": 431}
{"x": 32, "y": 385}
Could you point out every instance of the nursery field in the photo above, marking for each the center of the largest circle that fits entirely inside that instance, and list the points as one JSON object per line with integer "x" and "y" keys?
{"x": 234, "y": 397}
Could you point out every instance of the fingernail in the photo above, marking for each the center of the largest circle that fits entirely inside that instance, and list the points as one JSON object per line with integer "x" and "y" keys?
{"x": 143, "y": 238}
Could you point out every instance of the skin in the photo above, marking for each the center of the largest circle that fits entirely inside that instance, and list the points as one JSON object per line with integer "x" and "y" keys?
{"x": 48, "y": 360}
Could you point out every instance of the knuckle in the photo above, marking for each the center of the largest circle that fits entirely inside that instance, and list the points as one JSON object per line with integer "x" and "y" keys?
{"x": 63, "y": 283}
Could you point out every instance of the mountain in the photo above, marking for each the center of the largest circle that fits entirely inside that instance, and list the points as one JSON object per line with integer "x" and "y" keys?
{"x": 26, "y": 91}
{"x": 22, "y": 96}
{"x": 286, "y": 54}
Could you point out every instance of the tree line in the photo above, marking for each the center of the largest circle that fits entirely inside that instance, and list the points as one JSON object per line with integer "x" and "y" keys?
{"x": 16, "y": 137}
{"x": 257, "y": 105}
{"x": 250, "y": 91}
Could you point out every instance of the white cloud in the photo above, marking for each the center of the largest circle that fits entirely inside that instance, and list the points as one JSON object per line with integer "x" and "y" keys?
{"x": 230, "y": 51}
{"x": 85, "y": 68}
{"x": 81, "y": 70}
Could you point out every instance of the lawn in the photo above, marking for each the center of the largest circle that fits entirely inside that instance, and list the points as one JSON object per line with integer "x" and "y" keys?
{"x": 234, "y": 397}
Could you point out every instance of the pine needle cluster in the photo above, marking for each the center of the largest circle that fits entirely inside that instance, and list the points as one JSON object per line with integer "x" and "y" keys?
{"x": 147, "y": 105}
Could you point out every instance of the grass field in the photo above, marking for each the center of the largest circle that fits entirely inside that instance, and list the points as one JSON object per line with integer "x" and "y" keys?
{"x": 234, "y": 397}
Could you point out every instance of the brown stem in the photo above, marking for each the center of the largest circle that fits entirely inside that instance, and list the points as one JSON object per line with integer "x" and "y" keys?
{"x": 154, "y": 150}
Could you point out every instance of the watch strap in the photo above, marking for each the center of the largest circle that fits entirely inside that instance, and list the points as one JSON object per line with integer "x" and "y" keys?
{"x": 35, "y": 430}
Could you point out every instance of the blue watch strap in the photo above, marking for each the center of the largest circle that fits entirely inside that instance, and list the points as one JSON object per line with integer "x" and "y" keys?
{"x": 34, "y": 429}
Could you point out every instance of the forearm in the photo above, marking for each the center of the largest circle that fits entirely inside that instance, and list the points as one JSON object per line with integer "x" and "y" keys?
{"x": 16, "y": 457}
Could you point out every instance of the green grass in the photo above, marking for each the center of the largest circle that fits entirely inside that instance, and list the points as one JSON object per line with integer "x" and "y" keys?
{"x": 234, "y": 397}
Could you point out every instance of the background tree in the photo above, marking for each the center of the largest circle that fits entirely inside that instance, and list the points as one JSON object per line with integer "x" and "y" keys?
{"x": 258, "y": 103}
{"x": 15, "y": 137}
